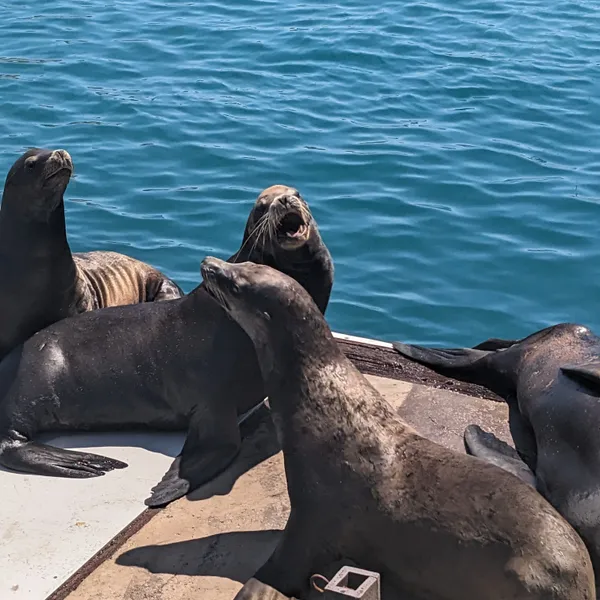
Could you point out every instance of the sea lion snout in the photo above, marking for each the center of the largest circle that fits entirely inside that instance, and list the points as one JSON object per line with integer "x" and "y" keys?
{"x": 285, "y": 200}
{"x": 212, "y": 268}
{"x": 58, "y": 160}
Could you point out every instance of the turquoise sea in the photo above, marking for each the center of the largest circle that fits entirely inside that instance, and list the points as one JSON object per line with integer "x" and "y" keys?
{"x": 450, "y": 151}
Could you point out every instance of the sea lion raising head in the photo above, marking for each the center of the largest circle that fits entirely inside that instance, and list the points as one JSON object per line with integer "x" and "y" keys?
{"x": 282, "y": 233}
{"x": 365, "y": 486}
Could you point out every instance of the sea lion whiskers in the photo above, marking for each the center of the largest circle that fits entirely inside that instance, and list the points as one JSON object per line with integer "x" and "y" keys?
{"x": 262, "y": 222}
{"x": 261, "y": 235}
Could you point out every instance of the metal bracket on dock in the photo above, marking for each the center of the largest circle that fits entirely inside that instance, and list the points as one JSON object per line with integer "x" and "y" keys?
{"x": 351, "y": 582}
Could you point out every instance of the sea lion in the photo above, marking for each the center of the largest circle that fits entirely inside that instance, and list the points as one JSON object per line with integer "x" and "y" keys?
{"x": 551, "y": 381}
{"x": 281, "y": 220}
{"x": 177, "y": 364}
{"x": 42, "y": 282}
{"x": 364, "y": 485}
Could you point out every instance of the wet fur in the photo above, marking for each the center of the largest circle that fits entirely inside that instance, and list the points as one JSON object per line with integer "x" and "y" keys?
{"x": 364, "y": 485}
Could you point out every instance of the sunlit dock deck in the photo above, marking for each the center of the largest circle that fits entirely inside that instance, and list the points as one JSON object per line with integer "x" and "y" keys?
{"x": 95, "y": 540}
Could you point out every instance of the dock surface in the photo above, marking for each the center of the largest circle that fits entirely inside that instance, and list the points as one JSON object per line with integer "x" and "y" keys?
{"x": 95, "y": 540}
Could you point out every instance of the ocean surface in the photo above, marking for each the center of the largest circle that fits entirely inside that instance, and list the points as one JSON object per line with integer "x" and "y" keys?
{"x": 450, "y": 151}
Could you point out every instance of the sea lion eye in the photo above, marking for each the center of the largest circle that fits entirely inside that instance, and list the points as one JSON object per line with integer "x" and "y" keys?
{"x": 30, "y": 163}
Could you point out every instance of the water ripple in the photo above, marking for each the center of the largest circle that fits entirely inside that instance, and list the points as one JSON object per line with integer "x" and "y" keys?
{"x": 448, "y": 151}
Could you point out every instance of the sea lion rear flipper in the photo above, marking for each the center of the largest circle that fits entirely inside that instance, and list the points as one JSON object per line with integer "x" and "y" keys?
{"x": 443, "y": 358}
{"x": 212, "y": 443}
{"x": 495, "y": 344}
{"x": 41, "y": 459}
{"x": 488, "y": 447}
{"x": 588, "y": 374}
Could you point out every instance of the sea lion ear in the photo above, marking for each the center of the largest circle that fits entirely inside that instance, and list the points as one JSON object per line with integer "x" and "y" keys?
{"x": 588, "y": 374}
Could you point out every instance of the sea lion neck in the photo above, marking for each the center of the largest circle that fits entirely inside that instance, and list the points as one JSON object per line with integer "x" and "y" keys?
{"x": 34, "y": 236}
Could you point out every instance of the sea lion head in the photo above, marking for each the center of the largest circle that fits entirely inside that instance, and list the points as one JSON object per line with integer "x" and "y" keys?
{"x": 270, "y": 306}
{"x": 279, "y": 221}
{"x": 38, "y": 180}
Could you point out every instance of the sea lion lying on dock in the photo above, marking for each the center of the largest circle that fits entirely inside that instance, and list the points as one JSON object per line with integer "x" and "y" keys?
{"x": 435, "y": 524}
{"x": 551, "y": 381}
{"x": 163, "y": 365}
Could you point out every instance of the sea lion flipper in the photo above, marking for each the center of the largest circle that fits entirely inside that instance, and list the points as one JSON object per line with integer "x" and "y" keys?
{"x": 169, "y": 488}
{"x": 187, "y": 473}
{"x": 168, "y": 290}
{"x": 41, "y": 459}
{"x": 588, "y": 374}
{"x": 488, "y": 447}
{"x": 212, "y": 443}
{"x": 495, "y": 344}
{"x": 445, "y": 358}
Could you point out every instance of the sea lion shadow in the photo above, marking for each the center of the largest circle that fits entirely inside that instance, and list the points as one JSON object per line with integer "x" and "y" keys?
{"x": 259, "y": 443}
{"x": 234, "y": 555}
{"x": 167, "y": 443}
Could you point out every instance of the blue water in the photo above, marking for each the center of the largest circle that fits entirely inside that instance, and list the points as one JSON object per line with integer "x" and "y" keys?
{"x": 450, "y": 151}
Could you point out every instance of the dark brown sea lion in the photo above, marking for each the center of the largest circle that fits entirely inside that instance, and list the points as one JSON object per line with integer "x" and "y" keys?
{"x": 162, "y": 365}
{"x": 551, "y": 380}
{"x": 42, "y": 282}
{"x": 436, "y": 524}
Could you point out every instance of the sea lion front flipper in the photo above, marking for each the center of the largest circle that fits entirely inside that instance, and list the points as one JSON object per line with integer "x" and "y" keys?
{"x": 442, "y": 358}
{"x": 588, "y": 374}
{"x": 495, "y": 344}
{"x": 169, "y": 488}
{"x": 488, "y": 447}
{"x": 212, "y": 443}
{"x": 41, "y": 459}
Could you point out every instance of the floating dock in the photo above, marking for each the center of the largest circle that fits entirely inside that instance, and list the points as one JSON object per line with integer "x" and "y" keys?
{"x": 94, "y": 539}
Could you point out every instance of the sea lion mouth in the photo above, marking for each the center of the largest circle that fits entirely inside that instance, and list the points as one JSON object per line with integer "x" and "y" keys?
{"x": 59, "y": 171}
{"x": 292, "y": 227}
{"x": 59, "y": 167}
{"x": 213, "y": 290}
